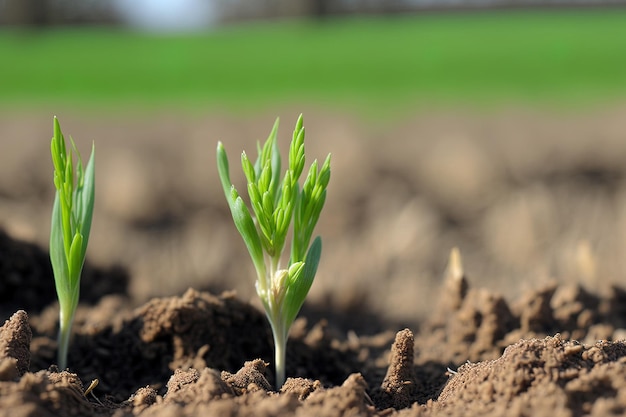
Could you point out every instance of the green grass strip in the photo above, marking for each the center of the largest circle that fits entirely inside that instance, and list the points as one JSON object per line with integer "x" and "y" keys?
{"x": 476, "y": 57}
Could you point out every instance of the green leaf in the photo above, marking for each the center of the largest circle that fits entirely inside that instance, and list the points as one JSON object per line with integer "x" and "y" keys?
{"x": 268, "y": 206}
{"x": 255, "y": 195}
{"x": 312, "y": 259}
{"x": 247, "y": 229}
{"x": 311, "y": 179}
{"x": 294, "y": 272}
{"x": 275, "y": 158}
{"x": 75, "y": 262}
{"x": 287, "y": 190}
{"x": 265, "y": 180}
{"x": 269, "y": 153}
{"x": 223, "y": 171}
{"x": 57, "y": 253}
{"x": 300, "y": 285}
{"x": 296, "y": 149}
{"x": 248, "y": 168}
{"x": 240, "y": 213}
{"x": 87, "y": 196}
{"x": 324, "y": 176}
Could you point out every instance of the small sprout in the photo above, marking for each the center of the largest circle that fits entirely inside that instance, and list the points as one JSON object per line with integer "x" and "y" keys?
{"x": 69, "y": 233}
{"x": 276, "y": 205}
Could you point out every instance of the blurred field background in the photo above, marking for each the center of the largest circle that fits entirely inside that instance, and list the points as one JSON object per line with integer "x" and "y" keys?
{"x": 378, "y": 64}
{"x": 502, "y": 132}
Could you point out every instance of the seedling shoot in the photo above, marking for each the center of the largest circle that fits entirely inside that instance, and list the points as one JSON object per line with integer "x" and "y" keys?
{"x": 69, "y": 232}
{"x": 278, "y": 207}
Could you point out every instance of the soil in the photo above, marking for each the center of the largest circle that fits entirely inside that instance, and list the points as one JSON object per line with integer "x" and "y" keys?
{"x": 527, "y": 318}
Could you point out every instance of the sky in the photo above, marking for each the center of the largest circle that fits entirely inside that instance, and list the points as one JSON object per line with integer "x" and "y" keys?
{"x": 168, "y": 15}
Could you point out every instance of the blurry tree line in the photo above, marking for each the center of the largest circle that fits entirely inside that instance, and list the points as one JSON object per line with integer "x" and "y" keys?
{"x": 64, "y": 12}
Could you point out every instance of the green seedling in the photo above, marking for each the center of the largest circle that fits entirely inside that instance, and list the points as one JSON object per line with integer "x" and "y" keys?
{"x": 69, "y": 232}
{"x": 279, "y": 206}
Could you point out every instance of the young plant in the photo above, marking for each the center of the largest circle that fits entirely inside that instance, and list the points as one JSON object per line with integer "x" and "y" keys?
{"x": 279, "y": 206}
{"x": 69, "y": 233}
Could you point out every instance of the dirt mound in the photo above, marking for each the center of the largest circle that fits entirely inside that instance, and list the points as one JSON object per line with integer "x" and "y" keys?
{"x": 536, "y": 377}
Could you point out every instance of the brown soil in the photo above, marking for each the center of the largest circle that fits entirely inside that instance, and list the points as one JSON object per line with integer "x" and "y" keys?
{"x": 381, "y": 334}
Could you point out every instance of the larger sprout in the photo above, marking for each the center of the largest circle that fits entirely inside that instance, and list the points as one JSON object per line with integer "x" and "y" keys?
{"x": 279, "y": 206}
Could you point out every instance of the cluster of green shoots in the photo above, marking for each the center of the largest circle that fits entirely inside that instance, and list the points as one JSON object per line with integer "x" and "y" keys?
{"x": 69, "y": 232}
{"x": 280, "y": 206}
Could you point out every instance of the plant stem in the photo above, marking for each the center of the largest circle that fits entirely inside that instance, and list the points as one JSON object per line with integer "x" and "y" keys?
{"x": 276, "y": 320}
{"x": 65, "y": 327}
{"x": 280, "y": 347}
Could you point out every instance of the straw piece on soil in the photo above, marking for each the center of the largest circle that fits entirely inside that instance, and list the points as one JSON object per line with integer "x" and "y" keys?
{"x": 455, "y": 281}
